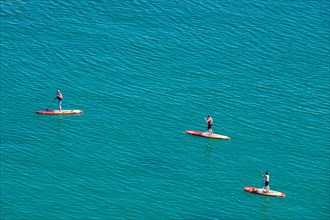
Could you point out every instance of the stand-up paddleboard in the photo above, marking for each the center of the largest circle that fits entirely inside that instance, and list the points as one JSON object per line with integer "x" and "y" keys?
{"x": 57, "y": 112}
{"x": 262, "y": 192}
{"x": 207, "y": 135}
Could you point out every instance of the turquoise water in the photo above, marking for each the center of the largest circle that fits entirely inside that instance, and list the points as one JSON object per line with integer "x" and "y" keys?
{"x": 145, "y": 71}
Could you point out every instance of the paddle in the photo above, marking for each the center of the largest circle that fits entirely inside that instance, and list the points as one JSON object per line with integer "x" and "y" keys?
{"x": 262, "y": 179}
{"x": 206, "y": 122}
{"x": 50, "y": 104}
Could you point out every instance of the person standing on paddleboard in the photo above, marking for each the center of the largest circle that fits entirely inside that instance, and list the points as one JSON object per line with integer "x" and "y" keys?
{"x": 209, "y": 122}
{"x": 59, "y": 100}
{"x": 266, "y": 178}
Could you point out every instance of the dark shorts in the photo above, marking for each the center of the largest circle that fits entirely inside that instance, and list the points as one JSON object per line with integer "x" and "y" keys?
{"x": 209, "y": 126}
{"x": 266, "y": 183}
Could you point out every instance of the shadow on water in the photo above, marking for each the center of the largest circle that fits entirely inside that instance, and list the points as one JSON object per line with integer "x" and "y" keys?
{"x": 265, "y": 207}
{"x": 210, "y": 146}
{"x": 59, "y": 123}
{"x": 209, "y": 149}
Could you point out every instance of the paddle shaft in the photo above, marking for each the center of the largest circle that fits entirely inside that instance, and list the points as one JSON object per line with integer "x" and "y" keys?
{"x": 50, "y": 104}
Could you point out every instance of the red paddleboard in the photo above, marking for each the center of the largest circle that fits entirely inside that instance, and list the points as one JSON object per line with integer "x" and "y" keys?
{"x": 57, "y": 112}
{"x": 207, "y": 135}
{"x": 262, "y": 192}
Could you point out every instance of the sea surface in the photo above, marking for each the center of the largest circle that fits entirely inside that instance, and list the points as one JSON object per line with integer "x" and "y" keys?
{"x": 145, "y": 71}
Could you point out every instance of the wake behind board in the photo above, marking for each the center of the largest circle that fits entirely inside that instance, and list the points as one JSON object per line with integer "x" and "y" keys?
{"x": 57, "y": 112}
{"x": 207, "y": 135}
{"x": 261, "y": 191}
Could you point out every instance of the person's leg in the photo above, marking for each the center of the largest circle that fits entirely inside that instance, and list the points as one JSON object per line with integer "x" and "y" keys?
{"x": 210, "y": 129}
{"x": 60, "y": 105}
{"x": 267, "y": 186}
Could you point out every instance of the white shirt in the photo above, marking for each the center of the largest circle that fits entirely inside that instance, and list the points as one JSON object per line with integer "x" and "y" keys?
{"x": 267, "y": 178}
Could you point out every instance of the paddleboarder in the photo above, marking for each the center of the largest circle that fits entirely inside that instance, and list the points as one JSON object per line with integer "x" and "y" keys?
{"x": 59, "y": 100}
{"x": 266, "y": 178}
{"x": 209, "y": 122}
